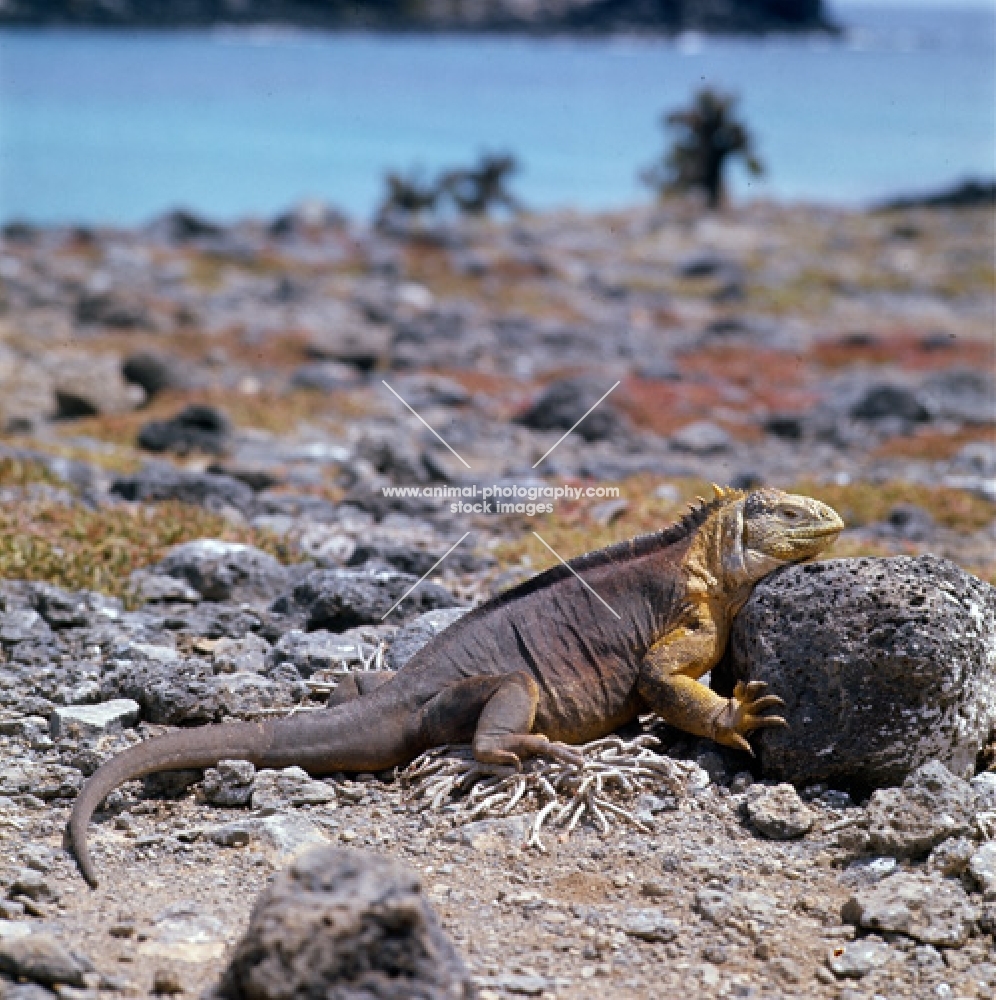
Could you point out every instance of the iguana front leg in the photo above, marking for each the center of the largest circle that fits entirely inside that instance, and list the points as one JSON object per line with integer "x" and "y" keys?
{"x": 668, "y": 682}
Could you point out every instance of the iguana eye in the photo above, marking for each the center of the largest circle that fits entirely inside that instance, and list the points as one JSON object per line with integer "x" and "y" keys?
{"x": 789, "y": 513}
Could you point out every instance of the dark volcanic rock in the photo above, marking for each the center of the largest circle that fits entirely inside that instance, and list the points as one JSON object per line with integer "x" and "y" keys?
{"x": 188, "y": 692}
{"x": 71, "y": 609}
{"x": 413, "y": 636}
{"x": 890, "y": 401}
{"x": 227, "y": 571}
{"x": 153, "y": 372}
{"x": 345, "y": 925}
{"x": 340, "y": 599}
{"x": 179, "y": 225}
{"x": 158, "y": 481}
{"x": 883, "y": 664}
{"x": 195, "y": 428}
{"x": 113, "y": 311}
{"x": 564, "y": 403}
{"x": 500, "y": 15}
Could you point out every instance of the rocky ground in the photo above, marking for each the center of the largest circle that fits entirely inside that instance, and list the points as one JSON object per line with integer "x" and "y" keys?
{"x": 196, "y": 440}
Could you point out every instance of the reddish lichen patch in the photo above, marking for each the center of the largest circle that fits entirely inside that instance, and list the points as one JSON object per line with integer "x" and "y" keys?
{"x": 915, "y": 350}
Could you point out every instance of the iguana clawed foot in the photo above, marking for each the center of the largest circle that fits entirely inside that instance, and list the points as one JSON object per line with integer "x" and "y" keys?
{"x": 742, "y": 714}
{"x": 510, "y": 750}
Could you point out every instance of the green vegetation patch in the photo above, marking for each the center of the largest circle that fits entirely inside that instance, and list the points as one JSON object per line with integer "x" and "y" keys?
{"x": 78, "y": 548}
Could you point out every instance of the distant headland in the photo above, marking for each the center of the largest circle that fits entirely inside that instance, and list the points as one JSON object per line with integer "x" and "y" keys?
{"x": 532, "y": 16}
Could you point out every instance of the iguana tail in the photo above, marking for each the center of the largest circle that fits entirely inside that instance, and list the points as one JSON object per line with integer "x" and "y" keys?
{"x": 359, "y": 736}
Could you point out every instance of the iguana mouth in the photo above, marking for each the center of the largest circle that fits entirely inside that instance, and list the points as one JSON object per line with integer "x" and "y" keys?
{"x": 817, "y": 532}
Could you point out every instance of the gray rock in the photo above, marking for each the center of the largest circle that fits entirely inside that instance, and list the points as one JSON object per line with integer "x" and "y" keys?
{"x": 729, "y": 907}
{"x": 494, "y": 834}
{"x": 411, "y": 637}
{"x": 43, "y": 780}
{"x": 69, "y": 609}
{"x": 857, "y": 958}
{"x": 340, "y": 599}
{"x": 868, "y": 871}
{"x": 22, "y": 625}
{"x": 883, "y": 664}
{"x": 951, "y": 857}
{"x": 26, "y": 991}
{"x": 107, "y": 717}
{"x": 890, "y": 401}
{"x": 286, "y": 836}
{"x": 322, "y": 650}
{"x": 908, "y": 521}
{"x": 704, "y": 264}
{"x": 41, "y": 959}
{"x": 563, "y": 403}
{"x": 965, "y": 395}
{"x": 325, "y": 376}
{"x": 195, "y": 428}
{"x": 290, "y": 786}
{"x": 155, "y": 588}
{"x": 10, "y": 927}
{"x": 33, "y": 884}
{"x": 112, "y": 309}
{"x": 170, "y": 784}
{"x": 86, "y": 385}
{"x": 928, "y": 908}
{"x": 982, "y": 870}
{"x": 230, "y": 783}
{"x": 521, "y": 984}
{"x": 250, "y": 653}
{"x": 778, "y": 812}
{"x": 153, "y": 372}
{"x": 984, "y": 786}
{"x": 931, "y": 806}
{"x": 227, "y": 571}
{"x": 189, "y": 692}
{"x": 702, "y": 437}
{"x": 158, "y": 481}
{"x": 649, "y": 924}
{"x": 339, "y": 924}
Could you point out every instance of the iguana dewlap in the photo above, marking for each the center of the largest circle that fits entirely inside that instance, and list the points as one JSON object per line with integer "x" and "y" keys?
{"x": 543, "y": 665}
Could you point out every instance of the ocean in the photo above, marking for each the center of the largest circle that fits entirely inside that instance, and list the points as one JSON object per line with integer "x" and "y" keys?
{"x": 116, "y": 127}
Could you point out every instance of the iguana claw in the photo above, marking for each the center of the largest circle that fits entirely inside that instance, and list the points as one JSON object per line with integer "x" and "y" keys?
{"x": 742, "y": 715}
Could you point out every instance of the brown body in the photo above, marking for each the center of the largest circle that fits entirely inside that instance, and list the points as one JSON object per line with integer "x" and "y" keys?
{"x": 552, "y": 662}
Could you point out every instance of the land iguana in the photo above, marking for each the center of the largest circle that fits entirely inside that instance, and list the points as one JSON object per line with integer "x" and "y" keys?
{"x": 564, "y": 658}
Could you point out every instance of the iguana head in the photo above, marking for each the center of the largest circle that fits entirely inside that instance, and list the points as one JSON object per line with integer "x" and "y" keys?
{"x": 770, "y": 528}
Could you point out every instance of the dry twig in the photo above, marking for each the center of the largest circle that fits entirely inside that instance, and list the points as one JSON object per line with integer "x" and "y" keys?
{"x": 614, "y": 771}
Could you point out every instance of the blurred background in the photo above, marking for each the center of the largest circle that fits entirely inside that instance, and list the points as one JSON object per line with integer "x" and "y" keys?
{"x": 243, "y": 109}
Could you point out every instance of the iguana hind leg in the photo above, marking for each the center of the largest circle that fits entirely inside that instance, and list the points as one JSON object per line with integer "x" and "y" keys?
{"x": 496, "y": 713}
{"x": 504, "y": 734}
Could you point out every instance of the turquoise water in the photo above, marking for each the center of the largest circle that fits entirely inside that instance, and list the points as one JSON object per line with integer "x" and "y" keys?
{"x": 117, "y": 127}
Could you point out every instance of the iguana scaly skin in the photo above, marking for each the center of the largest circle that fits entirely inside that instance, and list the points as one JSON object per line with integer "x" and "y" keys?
{"x": 542, "y": 665}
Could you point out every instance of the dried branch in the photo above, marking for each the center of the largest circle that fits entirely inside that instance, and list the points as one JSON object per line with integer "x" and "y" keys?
{"x": 614, "y": 772}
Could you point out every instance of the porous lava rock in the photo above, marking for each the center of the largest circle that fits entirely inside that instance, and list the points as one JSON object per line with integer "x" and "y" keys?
{"x": 195, "y": 428}
{"x": 159, "y": 481}
{"x": 227, "y": 571}
{"x": 341, "y": 599}
{"x": 883, "y": 664}
{"x": 344, "y": 924}
{"x": 564, "y": 403}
